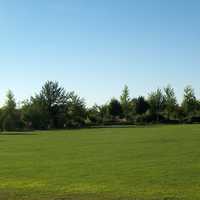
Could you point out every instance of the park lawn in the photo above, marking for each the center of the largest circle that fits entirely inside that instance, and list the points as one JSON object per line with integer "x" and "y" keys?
{"x": 144, "y": 163}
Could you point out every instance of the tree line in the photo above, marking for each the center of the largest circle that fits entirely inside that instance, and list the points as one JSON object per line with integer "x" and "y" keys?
{"x": 55, "y": 108}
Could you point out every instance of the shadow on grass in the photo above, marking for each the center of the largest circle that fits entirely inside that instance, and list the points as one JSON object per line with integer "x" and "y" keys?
{"x": 130, "y": 126}
{"x": 18, "y": 134}
{"x": 15, "y": 195}
{"x": 105, "y": 197}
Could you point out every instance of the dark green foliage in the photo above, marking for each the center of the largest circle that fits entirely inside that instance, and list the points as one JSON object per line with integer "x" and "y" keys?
{"x": 76, "y": 111}
{"x": 10, "y": 116}
{"x": 34, "y": 114}
{"x": 156, "y": 104}
{"x": 94, "y": 115}
{"x": 125, "y": 102}
{"x": 104, "y": 113}
{"x": 141, "y": 105}
{"x": 54, "y": 100}
{"x": 190, "y": 103}
{"x": 115, "y": 108}
{"x": 55, "y": 108}
{"x": 170, "y": 102}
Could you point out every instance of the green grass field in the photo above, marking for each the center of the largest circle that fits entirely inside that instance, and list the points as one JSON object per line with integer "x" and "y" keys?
{"x": 150, "y": 163}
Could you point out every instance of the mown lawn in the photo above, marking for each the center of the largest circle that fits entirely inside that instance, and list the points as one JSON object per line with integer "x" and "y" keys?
{"x": 149, "y": 163}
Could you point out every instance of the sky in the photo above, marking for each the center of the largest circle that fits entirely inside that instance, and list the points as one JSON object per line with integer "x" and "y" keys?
{"x": 95, "y": 47}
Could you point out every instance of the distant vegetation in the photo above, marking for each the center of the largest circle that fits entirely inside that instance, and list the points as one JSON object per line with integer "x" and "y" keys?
{"x": 55, "y": 108}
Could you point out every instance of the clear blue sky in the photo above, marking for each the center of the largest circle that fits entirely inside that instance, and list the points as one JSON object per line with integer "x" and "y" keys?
{"x": 96, "y": 46}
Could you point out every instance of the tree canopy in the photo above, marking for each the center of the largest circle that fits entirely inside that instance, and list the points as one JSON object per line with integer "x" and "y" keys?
{"x": 53, "y": 107}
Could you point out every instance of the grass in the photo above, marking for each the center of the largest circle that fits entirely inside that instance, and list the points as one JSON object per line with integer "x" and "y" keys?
{"x": 152, "y": 163}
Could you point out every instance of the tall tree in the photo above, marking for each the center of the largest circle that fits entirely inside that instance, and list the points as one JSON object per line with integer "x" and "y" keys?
{"x": 10, "y": 104}
{"x": 190, "y": 102}
{"x": 53, "y": 97}
{"x": 170, "y": 101}
{"x": 11, "y": 117}
{"x": 125, "y": 102}
{"x": 156, "y": 103}
{"x": 76, "y": 111}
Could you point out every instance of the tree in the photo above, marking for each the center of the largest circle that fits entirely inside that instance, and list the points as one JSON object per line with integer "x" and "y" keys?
{"x": 10, "y": 105}
{"x": 53, "y": 107}
{"x": 115, "y": 108}
{"x": 48, "y": 109}
{"x": 94, "y": 114}
{"x": 76, "y": 111}
{"x": 141, "y": 105}
{"x": 125, "y": 102}
{"x": 34, "y": 114}
{"x": 10, "y": 117}
{"x": 179, "y": 113}
{"x": 104, "y": 113}
{"x": 156, "y": 103}
{"x": 170, "y": 101}
{"x": 54, "y": 100}
{"x": 190, "y": 102}
{"x": 125, "y": 98}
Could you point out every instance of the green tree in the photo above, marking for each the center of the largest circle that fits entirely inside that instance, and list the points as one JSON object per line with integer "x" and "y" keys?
{"x": 125, "y": 102}
{"x": 10, "y": 105}
{"x": 156, "y": 103}
{"x": 53, "y": 107}
{"x": 141, "y": 105}
{"x": 190, "y": 102}
{"x": 115, "y": 108}
{"x": 104, "y": 113}
{"x": 76, "y": 111}
{"x": 11, "y": 116}
{"x": 34, "y": 114}
{"x": 170, "y": 101}
{"x": 54, "y": 100}
{"x": 94, "y": 114}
